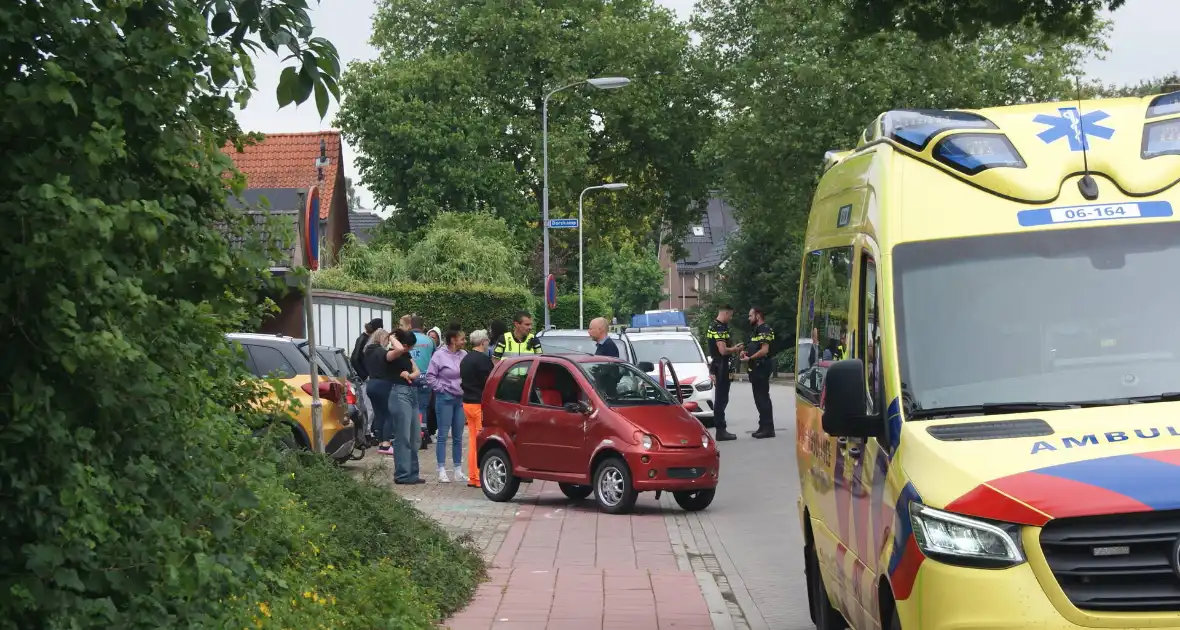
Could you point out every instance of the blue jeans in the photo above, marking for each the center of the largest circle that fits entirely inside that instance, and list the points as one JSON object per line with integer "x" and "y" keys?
{"x": 422, "y": 398}
{"x": 407, "y": 433}
{"x": 450, "y": 420}
{"x": 378, "y": 392}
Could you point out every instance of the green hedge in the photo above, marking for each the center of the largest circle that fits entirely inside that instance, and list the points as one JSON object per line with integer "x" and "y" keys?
{"x": 472, "y": 306}
{"x": 596, "y": 300}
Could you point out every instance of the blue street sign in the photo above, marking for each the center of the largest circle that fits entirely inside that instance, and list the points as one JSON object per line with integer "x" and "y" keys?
{"x": 562, "y": 223}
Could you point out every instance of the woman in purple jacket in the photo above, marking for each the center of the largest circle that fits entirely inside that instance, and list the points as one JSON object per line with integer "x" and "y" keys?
{"x": 443, "y": 378}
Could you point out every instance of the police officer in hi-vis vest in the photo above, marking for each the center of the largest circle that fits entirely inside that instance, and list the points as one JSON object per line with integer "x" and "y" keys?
{"x": 719, "y": 351}
{"x": 760, "y": 368}
{"x": 519, "y": 340}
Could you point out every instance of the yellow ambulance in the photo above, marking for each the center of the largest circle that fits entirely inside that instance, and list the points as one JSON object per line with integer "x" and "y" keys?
{"x": 1000, "y": 445}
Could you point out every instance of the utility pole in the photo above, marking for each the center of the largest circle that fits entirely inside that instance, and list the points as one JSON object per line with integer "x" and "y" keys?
{"x": 598, "y": 83}
{"x": 311, "y": 247}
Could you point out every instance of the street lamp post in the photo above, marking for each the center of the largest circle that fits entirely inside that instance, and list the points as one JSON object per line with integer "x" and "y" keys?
{"x": 600, "y": 83}
{"x": 581, "y": 225}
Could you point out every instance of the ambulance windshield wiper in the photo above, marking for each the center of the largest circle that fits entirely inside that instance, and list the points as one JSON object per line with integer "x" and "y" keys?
{"x": 1130, "y": 400}
{"x": 987, "y": 409}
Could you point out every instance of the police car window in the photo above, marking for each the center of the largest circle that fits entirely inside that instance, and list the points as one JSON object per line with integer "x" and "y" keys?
{"x": 567, "y": 344}
{"x": 270, "y": 362}
{"x": 676, "y": 350}
{"x": 823, "y": 316}
{"x": 511, "y": 388}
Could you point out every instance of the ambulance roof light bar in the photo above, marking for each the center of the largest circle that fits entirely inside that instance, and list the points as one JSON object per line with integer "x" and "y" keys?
{"x": 915, "y": 128}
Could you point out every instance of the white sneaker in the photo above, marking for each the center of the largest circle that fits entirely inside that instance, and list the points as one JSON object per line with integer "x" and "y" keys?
{"x": 460, "y": 476}
{"x": 442, "y": 476}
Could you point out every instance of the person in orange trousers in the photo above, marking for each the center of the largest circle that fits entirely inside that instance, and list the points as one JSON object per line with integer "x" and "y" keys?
{"x": 474, "y": 370}
{"x": 474, "y": 415}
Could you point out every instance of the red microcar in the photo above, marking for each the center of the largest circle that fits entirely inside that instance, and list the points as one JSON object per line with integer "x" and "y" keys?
{"x": 595, "y": 425}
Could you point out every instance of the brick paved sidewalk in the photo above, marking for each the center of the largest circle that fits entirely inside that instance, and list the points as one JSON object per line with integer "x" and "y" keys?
{"x": 558, "y": 564}
{"x": 565, "y": 566}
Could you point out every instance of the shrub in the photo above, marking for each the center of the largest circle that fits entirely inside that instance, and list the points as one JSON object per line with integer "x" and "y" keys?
{"x": 368, "y": 521}
{"x": 596, "y": 303}
{"x": 456, "y": 248}
{"x": 470, "y": 305}
{"x": 457, "y": 256}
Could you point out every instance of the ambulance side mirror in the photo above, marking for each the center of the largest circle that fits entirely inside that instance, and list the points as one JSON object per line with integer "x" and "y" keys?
{"x": 845, "y": 401}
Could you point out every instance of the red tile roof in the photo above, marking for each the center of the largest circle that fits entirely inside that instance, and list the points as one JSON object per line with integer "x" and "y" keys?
{"x": 287, "y": 160}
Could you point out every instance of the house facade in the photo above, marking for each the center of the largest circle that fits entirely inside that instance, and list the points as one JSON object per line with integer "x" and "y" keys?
{"x": 701, "y": 268}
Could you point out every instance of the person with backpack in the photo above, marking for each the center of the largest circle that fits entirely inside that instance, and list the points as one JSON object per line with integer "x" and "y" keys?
{"x": 357, "y": 359}
{"x": 760, "y": 366}
{"x": 423, "y": 350}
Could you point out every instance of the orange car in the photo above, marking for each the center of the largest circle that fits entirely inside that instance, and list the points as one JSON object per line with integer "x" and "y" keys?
{"x": 286, "y": 358}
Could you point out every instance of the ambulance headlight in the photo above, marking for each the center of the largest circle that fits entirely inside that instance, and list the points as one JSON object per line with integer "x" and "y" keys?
{"x": 959, "y": 540}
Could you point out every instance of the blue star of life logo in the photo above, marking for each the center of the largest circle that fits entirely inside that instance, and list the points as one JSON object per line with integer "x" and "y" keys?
{"x": 1075, "y": 126}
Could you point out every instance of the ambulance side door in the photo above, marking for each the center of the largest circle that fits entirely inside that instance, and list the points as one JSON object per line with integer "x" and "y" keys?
{"x": 827, "y": 298}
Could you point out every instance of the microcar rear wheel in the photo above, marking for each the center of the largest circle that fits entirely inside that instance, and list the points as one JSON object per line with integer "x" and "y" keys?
{"x": 613, "y": 488}
{"x": 495, "y": 476}
{"x": 695, "y": 500}
{"x": 574, "y": 491}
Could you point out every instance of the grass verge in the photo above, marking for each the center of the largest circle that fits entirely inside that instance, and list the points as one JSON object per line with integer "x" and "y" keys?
{"x": 365, "y": 558}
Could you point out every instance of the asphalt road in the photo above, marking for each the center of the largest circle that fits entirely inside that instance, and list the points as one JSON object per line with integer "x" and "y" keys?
{"x": 755, "y": 514}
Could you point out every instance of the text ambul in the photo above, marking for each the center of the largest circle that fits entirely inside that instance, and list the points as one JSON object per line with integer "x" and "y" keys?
{"x": 1093, "y": 439}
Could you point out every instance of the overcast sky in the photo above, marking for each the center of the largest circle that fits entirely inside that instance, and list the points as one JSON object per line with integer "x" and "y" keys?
{"x": 1143, "y": 45}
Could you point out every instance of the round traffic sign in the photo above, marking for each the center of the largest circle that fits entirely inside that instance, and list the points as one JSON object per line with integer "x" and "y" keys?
{"x": 311, "y": 229}
{"x": 551, "y": 291}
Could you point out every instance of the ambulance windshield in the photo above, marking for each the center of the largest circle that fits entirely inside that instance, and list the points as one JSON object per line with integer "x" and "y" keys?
{"x": 1072, "y": 315}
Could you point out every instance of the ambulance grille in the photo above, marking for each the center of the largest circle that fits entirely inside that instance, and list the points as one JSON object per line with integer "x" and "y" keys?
{"x": 1118, "y": 563}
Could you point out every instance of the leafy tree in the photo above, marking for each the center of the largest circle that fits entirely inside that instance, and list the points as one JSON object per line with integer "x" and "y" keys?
{"x": 1146, "y": 87}
{"x": 354, "y": 201}
{"x": 448, "y": 117}
{"x": 794, "y": 88}
{"x": 631, "y": 275}
{"x": 132, "y": 496}
{"x": 935, "y": 19}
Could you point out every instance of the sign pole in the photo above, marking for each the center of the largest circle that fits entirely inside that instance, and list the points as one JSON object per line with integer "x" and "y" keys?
{"x": 308, "y": 229}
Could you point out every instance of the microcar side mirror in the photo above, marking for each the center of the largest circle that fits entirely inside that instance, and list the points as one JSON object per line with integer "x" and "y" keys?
{"x": 647, "y": 366}
{"x": 845, "y": 402}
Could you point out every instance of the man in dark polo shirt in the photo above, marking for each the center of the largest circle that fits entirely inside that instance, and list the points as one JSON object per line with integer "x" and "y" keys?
{"x": 601, "y": 335}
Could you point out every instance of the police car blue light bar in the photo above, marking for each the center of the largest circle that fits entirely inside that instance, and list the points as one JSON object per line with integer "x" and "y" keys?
{"x": 973, "y": 153}
{"x": 1163, "y": 105}
{"x": 1161, "y": 138}
{"x": 914, "y": 128}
